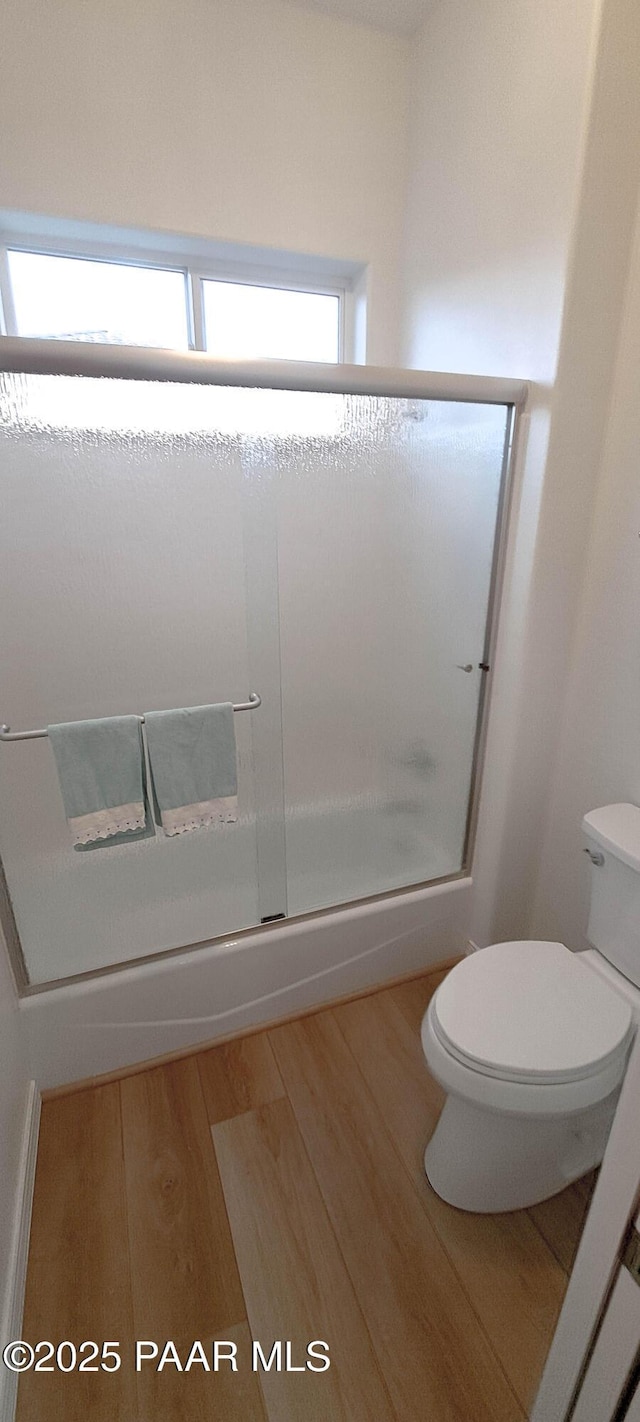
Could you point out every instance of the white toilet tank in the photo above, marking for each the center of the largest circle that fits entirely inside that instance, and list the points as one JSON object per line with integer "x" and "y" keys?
{"x": 613, "y": 842}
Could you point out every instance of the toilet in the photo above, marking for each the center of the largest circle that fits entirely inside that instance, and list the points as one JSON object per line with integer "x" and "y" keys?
{"x": 530, "y": 1041}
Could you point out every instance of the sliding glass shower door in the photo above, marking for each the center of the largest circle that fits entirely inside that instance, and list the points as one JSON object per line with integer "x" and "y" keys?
{"x": 387, "y": 515}
{"x": 167, "y": 545}
{"x": 123, "y": 589}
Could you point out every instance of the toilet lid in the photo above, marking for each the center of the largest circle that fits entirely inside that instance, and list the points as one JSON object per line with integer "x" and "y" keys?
{"x": 531, "y": 1011}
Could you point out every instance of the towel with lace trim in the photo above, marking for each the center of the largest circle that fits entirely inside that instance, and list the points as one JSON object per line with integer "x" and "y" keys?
{"x": 192, "y": 754}
{"x": 102, "y": 777}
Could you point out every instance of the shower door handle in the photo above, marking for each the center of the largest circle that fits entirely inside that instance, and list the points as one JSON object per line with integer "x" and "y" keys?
{"x": 468, "y": 667}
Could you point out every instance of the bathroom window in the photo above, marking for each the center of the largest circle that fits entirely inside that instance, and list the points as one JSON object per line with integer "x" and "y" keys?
{"x": 113, "y": 303}
{"x": 244, "y": 321}
{"x": 236, "y": 310}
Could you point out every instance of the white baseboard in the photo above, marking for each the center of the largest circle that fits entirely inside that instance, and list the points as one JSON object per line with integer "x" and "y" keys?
{"x": 17, "y": 1273}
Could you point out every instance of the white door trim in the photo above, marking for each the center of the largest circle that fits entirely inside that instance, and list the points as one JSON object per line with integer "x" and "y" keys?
{"x": 11, "y": 1321}
{"x": 614, "y": 1355}
{"x": 613, "y": 1207}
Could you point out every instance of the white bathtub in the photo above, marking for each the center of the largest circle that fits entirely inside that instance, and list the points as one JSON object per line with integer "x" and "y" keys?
{"x": 96, "y": 1025}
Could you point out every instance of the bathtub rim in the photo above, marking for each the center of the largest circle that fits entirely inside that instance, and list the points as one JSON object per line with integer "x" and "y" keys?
{"x": 351, "y": 908}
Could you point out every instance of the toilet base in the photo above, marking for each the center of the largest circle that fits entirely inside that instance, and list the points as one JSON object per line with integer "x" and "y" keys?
{"x": 489, "y": 1161}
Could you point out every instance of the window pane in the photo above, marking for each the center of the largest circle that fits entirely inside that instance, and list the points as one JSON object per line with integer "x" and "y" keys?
{"x": 70, "y": 298}
{"x": 264, "y": 322}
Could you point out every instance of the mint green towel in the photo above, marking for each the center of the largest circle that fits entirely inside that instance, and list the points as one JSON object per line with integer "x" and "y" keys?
{"x": 192, "y": 754}
{"x": 102, "y": 778}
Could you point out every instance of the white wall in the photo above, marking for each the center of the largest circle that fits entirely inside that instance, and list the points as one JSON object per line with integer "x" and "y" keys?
{"x": 598, "y": 754}
{"x": 578, "y": 410}
{"x": 522, "y": 194}
{"x": 242, "y": 120}
{"x": 498, "y": 105}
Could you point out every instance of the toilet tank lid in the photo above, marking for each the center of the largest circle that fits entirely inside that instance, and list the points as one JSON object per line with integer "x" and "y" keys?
{"x": 616, "y": 828}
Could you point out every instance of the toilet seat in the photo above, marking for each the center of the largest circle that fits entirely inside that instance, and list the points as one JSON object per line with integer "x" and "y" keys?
{"x": 530, "y": 1012}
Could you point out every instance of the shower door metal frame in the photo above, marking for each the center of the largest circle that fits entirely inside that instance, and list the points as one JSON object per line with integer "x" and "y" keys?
{"x": 513, "y": 453}
{"x": 21, "y": 355}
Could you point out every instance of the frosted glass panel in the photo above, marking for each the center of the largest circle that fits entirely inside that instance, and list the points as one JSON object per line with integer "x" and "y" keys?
{"x": 122, "y": 586}
{"x": 387, "y": 513}
{"x": 173, "y": 545}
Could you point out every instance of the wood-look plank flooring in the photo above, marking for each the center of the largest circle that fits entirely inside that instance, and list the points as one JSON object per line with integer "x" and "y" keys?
{"x": 78, "y": 1281}
{"x": 272, "y": 1188}
{"x": 184, "y": 1276}
{"x": 296, "y": 1282}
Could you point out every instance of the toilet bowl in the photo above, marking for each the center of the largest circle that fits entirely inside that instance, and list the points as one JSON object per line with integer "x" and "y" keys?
{"x": 530, "y": 1043}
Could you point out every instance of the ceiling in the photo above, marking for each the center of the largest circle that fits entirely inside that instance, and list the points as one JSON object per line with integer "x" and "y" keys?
{"x": 401, "y": 17}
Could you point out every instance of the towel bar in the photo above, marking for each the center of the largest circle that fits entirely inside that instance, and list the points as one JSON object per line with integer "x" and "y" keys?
{"x": 6, "y": 734}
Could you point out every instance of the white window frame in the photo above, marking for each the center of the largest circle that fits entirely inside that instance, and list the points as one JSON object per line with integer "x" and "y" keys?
{"x": 197, "y": 261}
